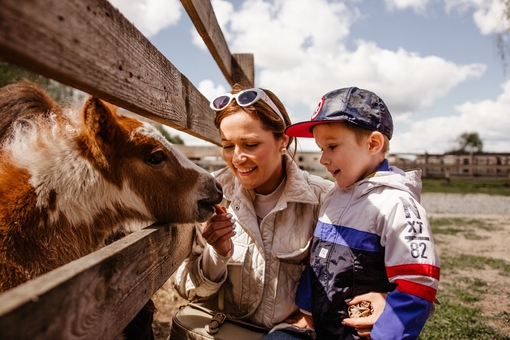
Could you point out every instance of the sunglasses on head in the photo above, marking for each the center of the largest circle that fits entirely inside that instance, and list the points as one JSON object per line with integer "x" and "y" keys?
{"x": 243, "y": 99}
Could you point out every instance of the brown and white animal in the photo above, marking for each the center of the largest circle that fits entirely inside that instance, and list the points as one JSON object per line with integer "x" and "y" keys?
{"x": 68, "y": 179}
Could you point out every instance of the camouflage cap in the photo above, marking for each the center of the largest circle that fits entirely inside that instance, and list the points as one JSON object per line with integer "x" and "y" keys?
{"x": 358, "y": 106}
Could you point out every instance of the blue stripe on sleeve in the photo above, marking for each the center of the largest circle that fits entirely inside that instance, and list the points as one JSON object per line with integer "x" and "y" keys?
{"x": 349, "y": 237}
{"x": 403, "y": 317}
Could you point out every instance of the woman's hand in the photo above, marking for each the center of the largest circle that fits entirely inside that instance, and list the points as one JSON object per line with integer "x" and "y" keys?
{"x": 364, "y": 325}
{"x": 218, "y": 231}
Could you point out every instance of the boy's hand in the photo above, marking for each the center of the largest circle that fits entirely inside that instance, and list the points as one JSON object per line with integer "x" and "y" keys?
{"x": 300, "y": 320}
{"x": 364, "y": 325}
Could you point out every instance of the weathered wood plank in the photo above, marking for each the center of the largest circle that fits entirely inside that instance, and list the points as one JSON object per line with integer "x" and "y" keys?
{"x": 202, "y": 15}
{"x": 244, "y": 68}
{"x": 90, "y": 45}
{"x": 95, "y": 296}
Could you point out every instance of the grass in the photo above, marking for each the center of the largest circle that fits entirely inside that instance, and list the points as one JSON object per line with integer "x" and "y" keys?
{"x": 456, "y": 321}
{"x": 460, "y": 226}
{"x": 454, "y": 225}
{"x": 458, "y": 316}
{"x": 494, "y": 187}
{"x": 475, "y": 262}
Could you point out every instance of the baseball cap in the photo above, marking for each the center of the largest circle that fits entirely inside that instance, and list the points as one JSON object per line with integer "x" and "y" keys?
{"x": 358, "y": 106}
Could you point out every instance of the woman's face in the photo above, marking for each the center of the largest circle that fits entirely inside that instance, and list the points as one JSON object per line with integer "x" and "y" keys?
{"x": 252, "y": 153}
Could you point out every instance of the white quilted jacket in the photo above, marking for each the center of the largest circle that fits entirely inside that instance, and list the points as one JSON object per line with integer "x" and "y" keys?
{"x": 267, "y": 262}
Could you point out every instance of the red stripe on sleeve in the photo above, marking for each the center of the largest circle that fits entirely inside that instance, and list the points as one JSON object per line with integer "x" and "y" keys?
{"x": 424, "y": 292}
{"x": 414, "y": 269}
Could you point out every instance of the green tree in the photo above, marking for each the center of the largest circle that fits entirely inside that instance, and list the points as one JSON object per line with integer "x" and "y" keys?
{"x": 172, "y": 139}
{"x": 11, "y": 73}
{"x": 469, "y": 142}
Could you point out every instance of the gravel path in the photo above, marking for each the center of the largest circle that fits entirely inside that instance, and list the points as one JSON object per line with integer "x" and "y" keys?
{"x": 472, "y": 204}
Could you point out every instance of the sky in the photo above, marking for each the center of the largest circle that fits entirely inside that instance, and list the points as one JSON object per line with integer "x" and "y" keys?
{"x": 435, "y": 63}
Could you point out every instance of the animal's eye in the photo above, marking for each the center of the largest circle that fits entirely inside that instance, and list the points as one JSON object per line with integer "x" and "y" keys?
{"x": 157, "y": 158}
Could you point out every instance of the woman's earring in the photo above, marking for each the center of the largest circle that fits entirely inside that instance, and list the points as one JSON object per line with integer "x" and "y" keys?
{"x": 283, "y": 151}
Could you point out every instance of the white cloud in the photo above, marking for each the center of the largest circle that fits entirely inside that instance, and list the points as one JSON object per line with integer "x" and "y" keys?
{"x": 150, "y": 16}
{"x": 210, "y": 90}
{"x": 282, "y": 33}
{"x": 406, "y": 81}
{"x": 418, "y": 6}
{"x": 489, "y": 118}
{"x": 300, "y": 60}
{"x": 487, "y": 14}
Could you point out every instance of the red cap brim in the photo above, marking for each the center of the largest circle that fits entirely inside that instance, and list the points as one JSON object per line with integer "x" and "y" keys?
{"x": 303, "y": 129}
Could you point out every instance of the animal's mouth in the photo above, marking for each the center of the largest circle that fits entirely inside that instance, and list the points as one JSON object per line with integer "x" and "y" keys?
{"x": 207, "y": 204}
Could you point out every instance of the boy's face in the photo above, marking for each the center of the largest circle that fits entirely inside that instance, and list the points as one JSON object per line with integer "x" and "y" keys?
{"x": 344, "y": 157}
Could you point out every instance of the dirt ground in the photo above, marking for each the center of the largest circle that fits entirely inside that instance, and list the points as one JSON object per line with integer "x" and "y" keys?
{"x": 167, "y": 303}
{"x": 491, "y": 243}
{"x": 488, "y": 243}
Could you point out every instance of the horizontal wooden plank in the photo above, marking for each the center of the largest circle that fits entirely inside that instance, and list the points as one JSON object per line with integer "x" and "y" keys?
{"x": 202, "y": 15}
{"x": 91, "y": 46}
{"x": 95, "y": 296}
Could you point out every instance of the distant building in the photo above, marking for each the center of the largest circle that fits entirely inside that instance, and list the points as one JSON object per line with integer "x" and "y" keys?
{"x": 461, "y": 165}
{"x": 447, "y": 165}
{"x": 310, "y": 161}
{"x": 210, "y": 158}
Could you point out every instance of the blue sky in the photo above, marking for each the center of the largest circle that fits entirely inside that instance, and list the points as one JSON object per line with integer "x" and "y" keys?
{"x": 434, "y": 62}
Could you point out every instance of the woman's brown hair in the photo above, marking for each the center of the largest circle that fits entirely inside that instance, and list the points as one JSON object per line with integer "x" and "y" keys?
{"x": 260, "y": 111}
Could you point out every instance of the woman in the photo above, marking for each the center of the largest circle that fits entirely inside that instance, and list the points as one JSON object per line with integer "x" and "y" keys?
{"x": 248, "y": 262}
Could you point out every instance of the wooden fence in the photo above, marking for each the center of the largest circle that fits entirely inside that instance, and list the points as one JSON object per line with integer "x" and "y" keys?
{"x": 91, "y": 46}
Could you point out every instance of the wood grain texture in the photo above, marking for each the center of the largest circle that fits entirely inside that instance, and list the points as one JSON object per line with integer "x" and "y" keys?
{"x": 91, "y": 46}
{"x": 202, "y": 15}
{"x": 243, "y": 69}
{"x": 97, "y": 295}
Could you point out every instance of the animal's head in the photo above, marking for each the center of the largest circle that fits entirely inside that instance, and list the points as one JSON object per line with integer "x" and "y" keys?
{"x": 67, "y": 180}
{"x": 152, "y": 179}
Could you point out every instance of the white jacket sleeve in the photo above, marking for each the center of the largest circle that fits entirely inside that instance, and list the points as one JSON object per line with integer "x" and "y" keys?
{"x": 190, "y": 281}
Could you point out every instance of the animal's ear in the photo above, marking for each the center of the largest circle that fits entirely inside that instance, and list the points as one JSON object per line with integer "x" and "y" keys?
{"x": 99, "y": 119}
{"x": 109, "y": 106}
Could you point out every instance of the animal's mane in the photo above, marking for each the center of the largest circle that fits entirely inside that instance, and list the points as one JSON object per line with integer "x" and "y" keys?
{"x": 50, "y": 131}
{"x": 22, "y": 102}
{"x": 37, "y": 135}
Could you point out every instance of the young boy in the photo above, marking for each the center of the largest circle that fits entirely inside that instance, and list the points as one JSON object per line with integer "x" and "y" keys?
{"x": 372, "y": 235}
